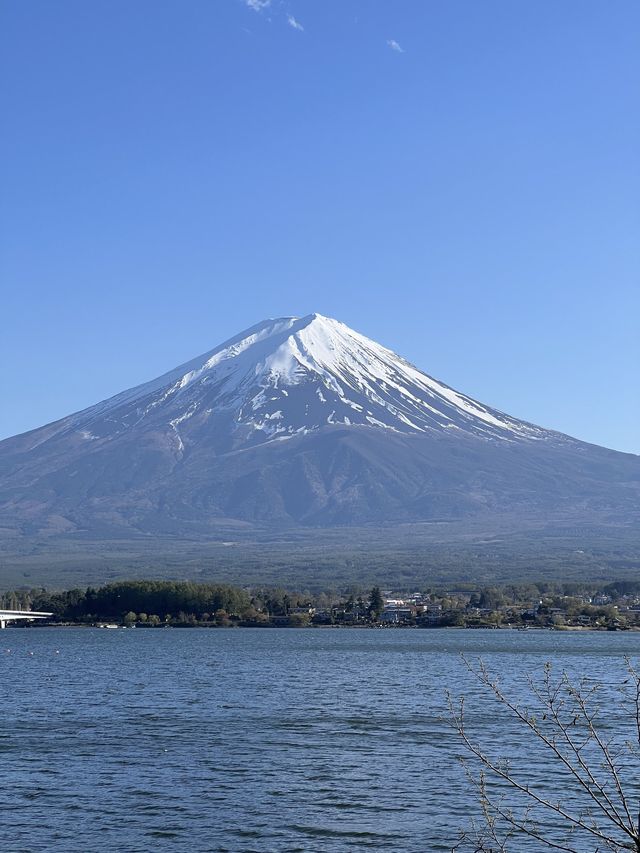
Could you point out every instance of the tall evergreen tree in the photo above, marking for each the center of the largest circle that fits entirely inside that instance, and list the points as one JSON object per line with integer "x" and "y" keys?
{"x": 376, "y": 602}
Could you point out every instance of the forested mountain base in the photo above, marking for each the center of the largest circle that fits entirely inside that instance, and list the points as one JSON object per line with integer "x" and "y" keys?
{"x": 406, "y": 555}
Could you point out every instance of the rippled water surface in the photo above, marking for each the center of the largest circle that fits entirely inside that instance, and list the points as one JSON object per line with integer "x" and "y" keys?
{"x": 255, "y": 740}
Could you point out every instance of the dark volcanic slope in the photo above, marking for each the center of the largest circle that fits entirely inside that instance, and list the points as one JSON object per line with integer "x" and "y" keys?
{"x": 300, "y": 422}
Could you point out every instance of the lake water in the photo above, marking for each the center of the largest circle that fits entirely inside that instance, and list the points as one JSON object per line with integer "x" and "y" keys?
{"x": 256, "y": 740}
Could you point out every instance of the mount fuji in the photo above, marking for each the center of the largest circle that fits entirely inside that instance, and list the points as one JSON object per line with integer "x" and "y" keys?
{"x": 301, "y": 423}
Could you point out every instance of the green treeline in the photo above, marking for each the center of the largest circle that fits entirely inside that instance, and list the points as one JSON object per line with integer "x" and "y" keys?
{"x": 150, "y": 603}
{"x": 154, "y": 601}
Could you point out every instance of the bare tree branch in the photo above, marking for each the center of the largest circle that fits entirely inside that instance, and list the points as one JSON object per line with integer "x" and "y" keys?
{"x": 600, "y": 807}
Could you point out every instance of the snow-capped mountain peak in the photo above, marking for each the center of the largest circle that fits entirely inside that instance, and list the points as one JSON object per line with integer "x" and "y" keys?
{"x": 300, "y": 421}
{"x": 291, "y": 375}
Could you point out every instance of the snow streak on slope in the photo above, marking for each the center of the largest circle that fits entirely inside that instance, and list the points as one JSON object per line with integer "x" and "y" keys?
{"x": 287, "y": 376}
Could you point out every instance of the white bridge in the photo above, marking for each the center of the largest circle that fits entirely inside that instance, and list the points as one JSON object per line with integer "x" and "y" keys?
{"x": 17, "y": 615}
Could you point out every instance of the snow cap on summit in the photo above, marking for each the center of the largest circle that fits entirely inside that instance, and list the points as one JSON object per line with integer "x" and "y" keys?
{"x": 295, "y": 375}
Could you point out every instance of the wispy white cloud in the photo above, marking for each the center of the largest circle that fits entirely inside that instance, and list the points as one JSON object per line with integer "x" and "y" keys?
{"x": 295, "y": 24}
{"x": 393, "y": 44}
{"x": 257, "y": 5}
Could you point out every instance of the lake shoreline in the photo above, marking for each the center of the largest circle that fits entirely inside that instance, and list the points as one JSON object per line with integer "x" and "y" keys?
{"x": 374, "y": 627}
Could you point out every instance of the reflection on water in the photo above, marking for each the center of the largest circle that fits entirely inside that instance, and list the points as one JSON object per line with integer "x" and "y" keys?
{"x": 256, "y": 740}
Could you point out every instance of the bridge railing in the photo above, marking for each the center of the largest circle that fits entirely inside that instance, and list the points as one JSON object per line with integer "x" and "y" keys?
{"x": 17, "y": 615}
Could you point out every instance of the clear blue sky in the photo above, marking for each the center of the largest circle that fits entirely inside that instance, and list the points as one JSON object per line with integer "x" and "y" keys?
{"x": 456, "y": 179}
